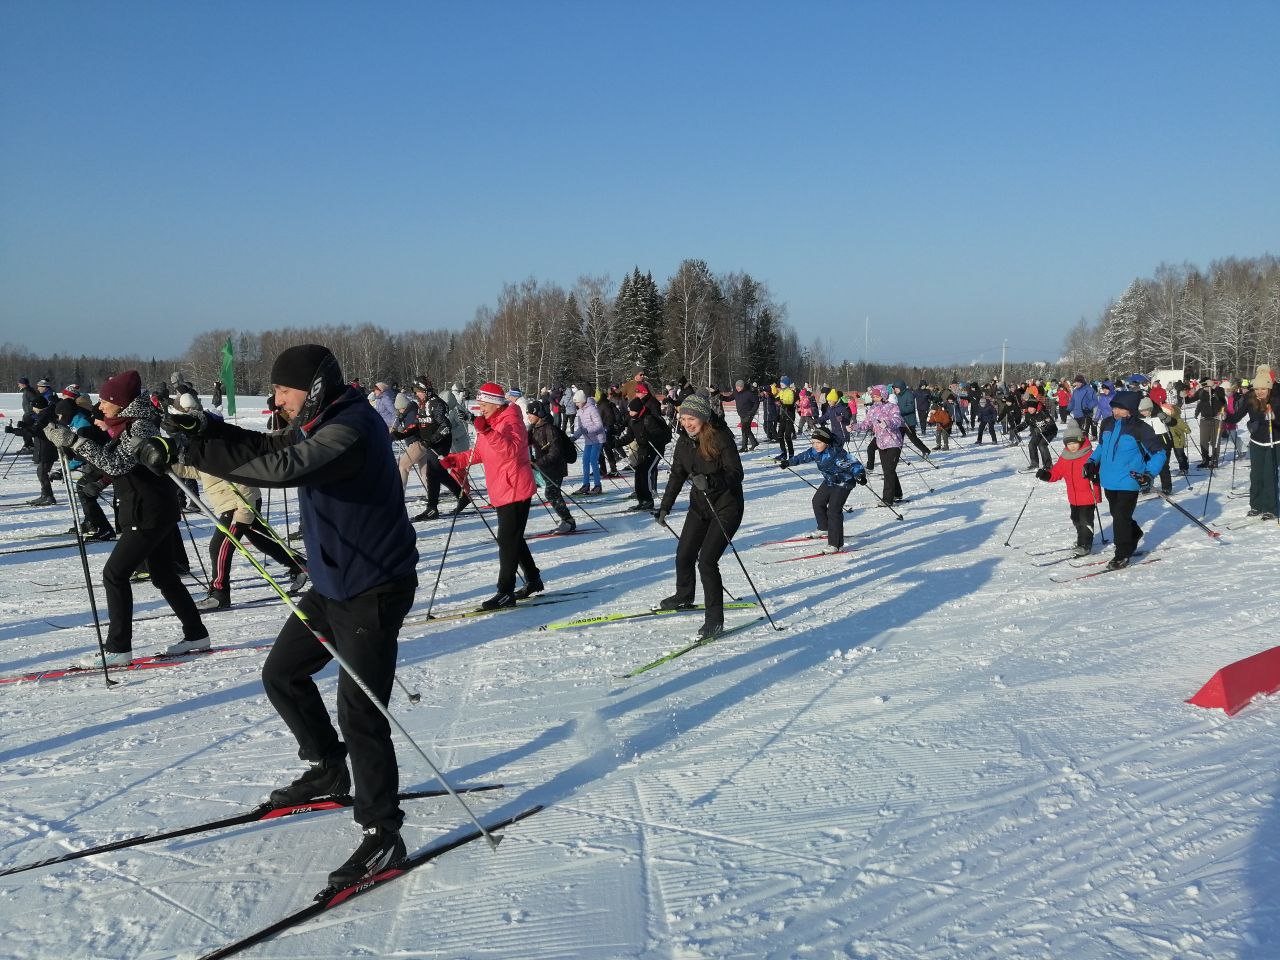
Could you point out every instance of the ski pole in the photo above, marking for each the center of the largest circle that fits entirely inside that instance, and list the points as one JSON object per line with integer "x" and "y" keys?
{"x": 728, "y": 539}
{"x": 811, "y": 483}
{"x": 919, "y": 474}
{"x": 1215, "y": 534}
{"x": 883, "y": 502}
{"x": 1207, "y": 488}
{"x": 1030, "y": 494}
{"x": 84, "y": 564}
{"x": 565, "y": 493}
{"x": 447, "y": 541}
{"x": 199, "y": 557}
{"x": 333, "y": 652}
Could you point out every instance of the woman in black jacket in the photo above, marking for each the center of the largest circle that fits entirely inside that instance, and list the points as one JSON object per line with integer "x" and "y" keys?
{"x": 148, "y": 516}
{"x": 707, "y": 456}
{"x": 547, "y": 447}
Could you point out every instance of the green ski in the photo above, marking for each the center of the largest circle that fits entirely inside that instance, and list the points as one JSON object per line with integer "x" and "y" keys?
{"x": 692, "y": 646}
{"x": 652, "y": 612}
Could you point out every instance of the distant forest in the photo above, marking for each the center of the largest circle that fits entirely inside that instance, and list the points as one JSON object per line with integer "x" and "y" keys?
{"x": 713, "y": 329}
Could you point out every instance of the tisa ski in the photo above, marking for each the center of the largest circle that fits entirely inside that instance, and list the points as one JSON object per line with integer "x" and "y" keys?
{"x": 328, "y": 898}
{"x": 556, "y": 533}
{"x": 262, "y": 813}
{"x": 814, "y": 556}
{"x": 1098, "y": 573}
{"x": 652, "y": 612}
{"x": 140, "y": 663}
{"x": 538, "y": 600}
{"x": 667, "y": 658}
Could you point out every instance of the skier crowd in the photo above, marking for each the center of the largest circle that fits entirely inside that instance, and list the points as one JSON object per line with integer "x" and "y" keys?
{"x": 352, "y": 454}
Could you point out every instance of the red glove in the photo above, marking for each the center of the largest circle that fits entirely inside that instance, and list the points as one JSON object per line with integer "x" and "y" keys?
{"x": 482, "y": 424}
{"x": 451, "y": 462}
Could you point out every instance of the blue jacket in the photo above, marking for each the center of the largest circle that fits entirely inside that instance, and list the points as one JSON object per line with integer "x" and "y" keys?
{"x": 906, "y": 401}
{"x": 354, "y": 524}
{"x": 1083, "y": 400}
{"x": 1104, "y": 401}
{"x": 839, "y": 468}
{"x": 1126, "y": 446}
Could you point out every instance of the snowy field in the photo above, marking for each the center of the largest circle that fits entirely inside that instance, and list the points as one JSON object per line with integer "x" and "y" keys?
{"x": 943, "y": 754}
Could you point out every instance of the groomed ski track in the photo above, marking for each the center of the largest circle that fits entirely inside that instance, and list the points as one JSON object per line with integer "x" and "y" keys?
{"x": 944, "y": 755}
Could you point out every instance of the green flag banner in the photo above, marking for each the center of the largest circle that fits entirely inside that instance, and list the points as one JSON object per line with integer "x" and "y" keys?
{"x": 229, "y": 376}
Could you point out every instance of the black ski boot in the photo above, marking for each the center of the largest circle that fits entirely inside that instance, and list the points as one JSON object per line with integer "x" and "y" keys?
{"x": 529, "y": 589}
{"x": 431, "y": 513}
{"x": 499, "y": 601}
{"x": 381, "y": 848}
{"x": 710, "y": 629}
{"x": 216, "y": 599}
{"x": 326, "y": 778}
{"x": 675, "y": 602}
{"x": 464, "y": 501}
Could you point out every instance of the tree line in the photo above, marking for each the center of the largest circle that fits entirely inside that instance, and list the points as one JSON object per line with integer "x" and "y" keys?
{"x": 713, "y": 329}
{"x": 1222, "y": 322}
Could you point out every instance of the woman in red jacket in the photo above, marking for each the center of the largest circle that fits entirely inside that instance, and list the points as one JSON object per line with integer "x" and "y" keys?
{"x": 1083, "y": 494}
{"x": 502, "y": 446}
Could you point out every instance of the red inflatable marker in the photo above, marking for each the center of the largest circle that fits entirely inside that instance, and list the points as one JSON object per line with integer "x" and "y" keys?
{"x": 1234, "y": 686}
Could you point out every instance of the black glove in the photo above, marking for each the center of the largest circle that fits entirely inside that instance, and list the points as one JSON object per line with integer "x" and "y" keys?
{"x": 59, "y": 435}
{"x": 156, "y": 453}
{"x": 89, "y": 488}
{"x": 699, "y": 480}
{"x": 9, "y": 428}
{"x": 1043, "y": 474}
{"x": 784, "y": 465}
{"x": 192, "y": 424}
{"x": 1090, "y": 470}
{"x": 1144, "y": 481}
{"x": 661, "y": 517}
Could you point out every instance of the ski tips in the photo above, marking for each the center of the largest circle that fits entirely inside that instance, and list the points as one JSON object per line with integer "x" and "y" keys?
{"x": 494, "y": 839}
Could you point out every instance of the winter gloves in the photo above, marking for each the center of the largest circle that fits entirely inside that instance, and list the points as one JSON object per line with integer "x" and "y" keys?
{"x": 1043, "y": 474}
{"x": 192, "y": 424}
{"x": 699, "y": 480}
{"x": 59, "y": 435}
{"x": 1090, "y": 470}
{"x": 661, "y": 518}
{"x": 482, "y": 424}
{"x": 156, "y": 453}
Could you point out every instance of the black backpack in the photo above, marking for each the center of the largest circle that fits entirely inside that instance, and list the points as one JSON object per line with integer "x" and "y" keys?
{"x": 568, "y": 449}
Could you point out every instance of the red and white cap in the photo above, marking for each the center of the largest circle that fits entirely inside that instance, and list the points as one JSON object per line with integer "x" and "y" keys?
{"x": 493, "y": 393}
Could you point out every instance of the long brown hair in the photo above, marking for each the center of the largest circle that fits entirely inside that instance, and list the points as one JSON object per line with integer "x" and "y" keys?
{"x": 708, "y": 442}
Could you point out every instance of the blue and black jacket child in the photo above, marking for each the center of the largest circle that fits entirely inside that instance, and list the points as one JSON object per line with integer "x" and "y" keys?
{"x": 838, "y": 467}
{"x": 1126, "y": 445}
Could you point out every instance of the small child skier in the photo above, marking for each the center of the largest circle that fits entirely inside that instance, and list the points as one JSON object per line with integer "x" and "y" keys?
{"x": 841, "y": 472}
{"x": 1083, "y": 495}
{"x": 942, "y": 421}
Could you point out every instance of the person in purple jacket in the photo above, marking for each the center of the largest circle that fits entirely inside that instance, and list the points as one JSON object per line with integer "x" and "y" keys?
{"x": 884, "y": 420}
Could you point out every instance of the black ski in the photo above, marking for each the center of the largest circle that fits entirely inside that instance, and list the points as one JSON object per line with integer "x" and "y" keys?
{"x": 328, "y": 898}
{"x": 537, "y": 600}
{"x": 258, "y": 814}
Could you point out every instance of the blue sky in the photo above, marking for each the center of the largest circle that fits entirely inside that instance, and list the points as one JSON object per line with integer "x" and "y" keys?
{"x": 960, "y": 173}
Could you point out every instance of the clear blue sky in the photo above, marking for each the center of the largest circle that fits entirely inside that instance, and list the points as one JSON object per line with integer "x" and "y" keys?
{"x": 961, "y": 172}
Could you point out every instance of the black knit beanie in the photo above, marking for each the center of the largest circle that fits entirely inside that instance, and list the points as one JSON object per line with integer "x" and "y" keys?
{"x": 297, "y": 366}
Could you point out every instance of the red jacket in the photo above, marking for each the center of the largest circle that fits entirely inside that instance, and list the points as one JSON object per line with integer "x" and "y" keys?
{"x": 1158, "y": 395}
{"x": 1080, "y": 492}
{"x": 1064, "y": 397}
{"x": 503, "y": 448}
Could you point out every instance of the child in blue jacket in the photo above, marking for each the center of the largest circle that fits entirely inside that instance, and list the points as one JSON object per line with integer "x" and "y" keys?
{"x": 841, "y": 472}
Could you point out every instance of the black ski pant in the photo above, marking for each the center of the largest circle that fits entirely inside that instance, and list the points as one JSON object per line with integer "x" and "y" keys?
{"x": 364, "y": 630}
{"x": 646, "y": 478}
{"x": 786, "y": 437}
{"x": 552, "y": 493}
{"x": 909, "y": 433}
{"x": 828, "y": 511}
{"x": 222, "y": 551}
{"x": 1062, "y": 414}
{"x": 159, "y": 546}
{"x": 42, "y": 474}
{"x": 513, "y": 551}
{"x": 1210, "y": 433}
{"x": 436, "y": 476}
{"x": 1262, "y": 478}
{"x": 1082, "y": 520}
{"x": 702, "y": 542}
{"x": 985, "y": 425}
{"x": 892, "y": 488}
{"x": 91, "y": 511}
{"x": 1038, "y": 450}
{"x": 871, "y": 454}
{"x": 1125, "y": 531}
{"x": 1088, "y": 427}
{"x": 749, "y": 440}
{"x": 1181, "y": 454}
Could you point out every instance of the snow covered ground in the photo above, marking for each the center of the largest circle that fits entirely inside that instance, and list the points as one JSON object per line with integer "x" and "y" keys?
{"x": 943, "y": 754}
